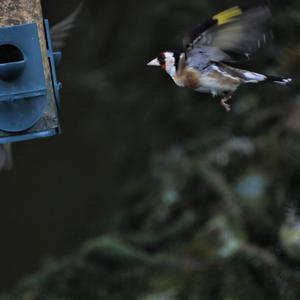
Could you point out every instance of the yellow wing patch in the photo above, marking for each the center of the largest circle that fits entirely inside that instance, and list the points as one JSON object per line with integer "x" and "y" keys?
{"x": 227, "y": 15}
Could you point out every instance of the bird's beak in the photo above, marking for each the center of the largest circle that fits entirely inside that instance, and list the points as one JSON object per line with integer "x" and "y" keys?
{"x": 154, "y": 62}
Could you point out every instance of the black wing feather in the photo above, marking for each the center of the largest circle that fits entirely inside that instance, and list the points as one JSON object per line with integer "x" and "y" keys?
{"x": 229, "y": 36}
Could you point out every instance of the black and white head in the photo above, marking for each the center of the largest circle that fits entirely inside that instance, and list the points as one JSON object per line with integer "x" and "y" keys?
{"x": 168, "y": 61}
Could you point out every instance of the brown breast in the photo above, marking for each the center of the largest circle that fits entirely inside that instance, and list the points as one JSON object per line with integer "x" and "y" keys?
{"x": 188, "y": 78}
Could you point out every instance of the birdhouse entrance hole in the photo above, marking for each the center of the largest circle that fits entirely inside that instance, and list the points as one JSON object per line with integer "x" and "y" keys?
{"x": 10, "y": 53}
{"x": 12, "y": 62}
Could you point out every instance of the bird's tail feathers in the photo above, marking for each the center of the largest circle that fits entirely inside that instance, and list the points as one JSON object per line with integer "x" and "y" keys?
{"x": 279, "y": 80}
{"x": 251, "y": 77}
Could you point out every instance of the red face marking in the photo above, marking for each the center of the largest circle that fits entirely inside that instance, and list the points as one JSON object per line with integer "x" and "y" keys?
{"x": 162, "y": 60}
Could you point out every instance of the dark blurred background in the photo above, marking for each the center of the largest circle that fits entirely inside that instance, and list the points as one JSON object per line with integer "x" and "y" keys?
{"x": 152, "y": 191}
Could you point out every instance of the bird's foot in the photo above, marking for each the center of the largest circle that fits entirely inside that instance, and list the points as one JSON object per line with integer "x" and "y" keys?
{"x": 224, "y": 104}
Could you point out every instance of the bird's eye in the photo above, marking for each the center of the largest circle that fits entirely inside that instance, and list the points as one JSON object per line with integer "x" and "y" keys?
{"x": 161, "y": 58}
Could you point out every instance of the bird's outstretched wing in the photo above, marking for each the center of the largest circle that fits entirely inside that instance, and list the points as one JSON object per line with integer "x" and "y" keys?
{"x": 61, "y": 30}
{"x": 228, "y": 36}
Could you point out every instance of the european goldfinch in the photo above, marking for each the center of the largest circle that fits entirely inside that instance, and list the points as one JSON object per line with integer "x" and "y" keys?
{"x": 227, "y": 37}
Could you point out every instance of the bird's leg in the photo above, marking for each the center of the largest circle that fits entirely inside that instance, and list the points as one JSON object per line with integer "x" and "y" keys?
{"x": 224, "y": 100}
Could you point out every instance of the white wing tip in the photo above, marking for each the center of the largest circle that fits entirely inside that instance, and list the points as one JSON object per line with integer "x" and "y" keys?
{"x": 284, "y": 81}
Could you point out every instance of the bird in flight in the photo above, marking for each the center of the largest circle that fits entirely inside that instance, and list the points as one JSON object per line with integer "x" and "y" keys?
{"x": 228, "y": 37}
